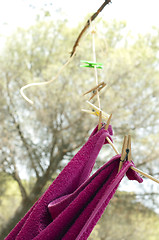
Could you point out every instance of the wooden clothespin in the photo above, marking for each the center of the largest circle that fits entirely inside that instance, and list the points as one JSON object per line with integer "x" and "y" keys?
{"x": 108, "y": 122}
{"x": 126, "y": 155}
{"x": 96, "y": 111}
{"x": 126, "y": 151}
{"x": 94, "y": 90}
{"x": 129, "y": 148}
{"x": 100, "y": 121}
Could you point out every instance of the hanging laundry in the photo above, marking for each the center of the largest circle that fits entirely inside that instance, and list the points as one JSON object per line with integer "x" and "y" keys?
{"x": 72, "y": 176}
{"x": 74, "y": 215}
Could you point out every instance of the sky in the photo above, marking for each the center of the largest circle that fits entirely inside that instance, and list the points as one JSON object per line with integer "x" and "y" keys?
{"x": 140, "y": 15}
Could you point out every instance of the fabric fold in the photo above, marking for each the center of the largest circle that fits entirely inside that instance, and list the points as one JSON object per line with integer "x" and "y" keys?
{"x": 73, "y": 175}
{"x": 75, "y": 215}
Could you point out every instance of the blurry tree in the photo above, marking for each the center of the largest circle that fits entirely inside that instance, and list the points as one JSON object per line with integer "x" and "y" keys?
{"x": 37, "y": 141}
{"x": 124, "y": 219}
{"x": 9, "y": 197}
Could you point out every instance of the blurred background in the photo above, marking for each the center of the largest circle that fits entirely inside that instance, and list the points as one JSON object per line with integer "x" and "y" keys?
{"x": 38, "y": 140}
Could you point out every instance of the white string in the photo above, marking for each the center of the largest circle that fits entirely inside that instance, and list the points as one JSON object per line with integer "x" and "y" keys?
{"x": 48, "y": 82}
{"x": 44, "y": 83}
{"x": 94, "y": 59}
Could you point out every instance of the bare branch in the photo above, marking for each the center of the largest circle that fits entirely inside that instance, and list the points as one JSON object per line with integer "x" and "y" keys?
{"x": 18, "y": 127}
{"x": 16, "y": 177}
{"x": 91, "y": 19}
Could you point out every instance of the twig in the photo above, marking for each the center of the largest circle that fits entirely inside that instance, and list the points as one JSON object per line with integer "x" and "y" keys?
{"x": 71, "y": 57}
{"x": 87, "y": 25}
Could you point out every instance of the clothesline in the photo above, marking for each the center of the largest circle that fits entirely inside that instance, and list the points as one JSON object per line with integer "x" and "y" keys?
{"x": 134, "y": 168}
{"x": 74, "y": 202}
{"x": 100, "y": 112}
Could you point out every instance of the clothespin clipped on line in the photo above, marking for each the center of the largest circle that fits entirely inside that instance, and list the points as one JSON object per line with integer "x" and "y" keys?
{"x": 126, "y": 156}
{"x": 96, "y": 111}
{"x": 106, "y": 128}
{"x": 108, "y": 122}
{"x": 91, "y": 64}
{"x": 99, "y": 113}
{"x": 102, "y": 115}
{"x": 94, "y": 90}
{"x": 126, "y": 151}
{"x": 100, "y": 121}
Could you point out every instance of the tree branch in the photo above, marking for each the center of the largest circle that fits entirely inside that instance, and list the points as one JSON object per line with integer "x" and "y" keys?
{"x": 18, "y": 127}
{"x": 16, "y": 177}
{"x": 91, "y": 19}
{"x": 14, "y": 174}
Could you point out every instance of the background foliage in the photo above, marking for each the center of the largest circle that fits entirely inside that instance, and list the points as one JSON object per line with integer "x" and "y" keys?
{"x": 38, "y": 141}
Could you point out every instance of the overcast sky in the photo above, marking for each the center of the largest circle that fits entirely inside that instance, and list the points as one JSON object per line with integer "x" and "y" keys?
{"x": 140, "y": 15}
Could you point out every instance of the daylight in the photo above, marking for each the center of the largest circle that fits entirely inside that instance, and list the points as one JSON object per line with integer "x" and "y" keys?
{"x": 79, "y": 120}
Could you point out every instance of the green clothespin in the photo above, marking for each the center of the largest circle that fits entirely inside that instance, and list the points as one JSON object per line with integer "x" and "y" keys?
{"x": 91, "y": 64}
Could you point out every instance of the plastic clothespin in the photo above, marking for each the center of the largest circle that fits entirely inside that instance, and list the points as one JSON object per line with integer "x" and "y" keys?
{"x": 99, "y": 87}
{"x": 91, "y": 64}
{"x": 96, "y": 111}
{"x": 126, "y": 151}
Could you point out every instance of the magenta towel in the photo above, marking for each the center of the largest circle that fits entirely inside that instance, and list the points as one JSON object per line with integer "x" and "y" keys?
{"x": 74, "y": 215}
{"x": 73, "y": 175}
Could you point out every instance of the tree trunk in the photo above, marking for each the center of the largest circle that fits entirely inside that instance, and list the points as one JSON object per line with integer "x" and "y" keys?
{"x": 31, "y": 199}
{"x": 21, "y": 211}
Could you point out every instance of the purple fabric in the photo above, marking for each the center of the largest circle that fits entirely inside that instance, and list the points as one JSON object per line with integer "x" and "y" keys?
{"x": 75, "y": 214}
{"x": 72, "y": 176}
